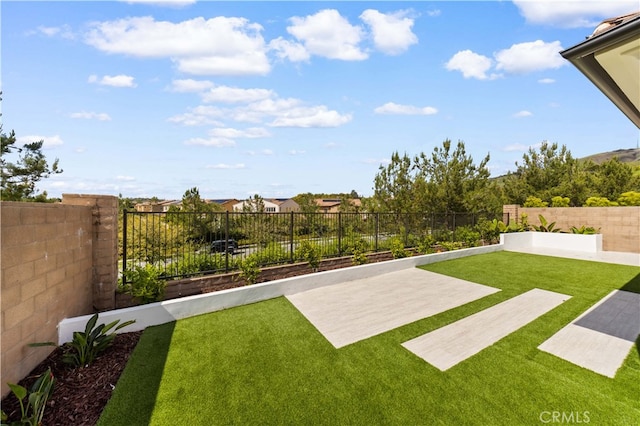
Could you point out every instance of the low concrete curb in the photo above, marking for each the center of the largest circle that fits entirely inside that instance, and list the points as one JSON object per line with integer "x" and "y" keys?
{"x": 175, "y": 309}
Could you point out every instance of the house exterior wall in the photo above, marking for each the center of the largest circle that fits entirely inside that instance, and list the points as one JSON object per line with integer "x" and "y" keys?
{"x": 619, "y": 226}
{"x": 55, "y": 264}
{"x": 289, "y": 206}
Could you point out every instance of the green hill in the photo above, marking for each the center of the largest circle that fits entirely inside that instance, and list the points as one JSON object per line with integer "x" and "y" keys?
{"x": 624, "y": 155}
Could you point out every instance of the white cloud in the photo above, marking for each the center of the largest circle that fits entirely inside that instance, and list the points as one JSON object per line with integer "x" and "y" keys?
{"x": 297, "y": 152}
{"x": 391, "y": 31}
{"x": 573, "y": 13}
{"x": 113, "y": 81}
{"x": 291, "y": 50}
{"x": 470, "y": 64}
{"x": 520, "y": 58}
{"x": 228, "y": 94}
{"x": 100, "y": 116}
{"x": 226, "y": 166}
{"x": 216, "y": 46}
{"x": 531, "y": 56}
{"x": 546, "y": 81}
{"x": 48, "y": 141}
{"x": 225, "y": 136}
{"x": 190, "y": 86}
{"x": 379, "y": 161}
{"x": 393, "y": 108}
{"x": 125, "y": 178}
{"x": 518, "y": 147}
{"x": 266, "y": 152}
{"x": 231, "y": 133}
{"x": 434, "y": 12}
{"x": 63, "y": 31}
{"x": 315, "y": 116}
{"x": 328, "y": 34}
{"x": 198, "y": 116}
{"x": 522, "y": 114}
{"x": 168, "y": 3}
{"x": 213, "y": 141}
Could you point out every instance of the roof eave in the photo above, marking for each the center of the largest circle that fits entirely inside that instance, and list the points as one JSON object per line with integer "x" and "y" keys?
{"x": 582, "y": 57}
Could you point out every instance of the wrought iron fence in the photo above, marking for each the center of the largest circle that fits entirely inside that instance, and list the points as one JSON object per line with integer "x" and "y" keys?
{"x": 183, "y": 244}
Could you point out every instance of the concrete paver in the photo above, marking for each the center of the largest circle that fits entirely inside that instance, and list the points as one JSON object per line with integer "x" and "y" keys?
{"x": 600, "y": 339}
{"x": 452, "y": 344}
{"x": 355, "y": 310}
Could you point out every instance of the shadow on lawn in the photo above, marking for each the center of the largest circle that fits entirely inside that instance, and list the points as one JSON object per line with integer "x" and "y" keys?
{"x": 134, "y": 398}
{"x": 633, "y": 285}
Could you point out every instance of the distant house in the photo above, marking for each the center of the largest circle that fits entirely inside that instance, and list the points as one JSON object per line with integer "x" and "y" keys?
{"x": 148, "y": 207}
{"x": 286, "y": 204}
{"x": 226, "y": 204}
{"x": 332, "y": 205}
{"x": 269, "y": 206}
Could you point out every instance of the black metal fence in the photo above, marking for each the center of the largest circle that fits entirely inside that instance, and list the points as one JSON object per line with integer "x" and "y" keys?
{"x": 183, "y": 244}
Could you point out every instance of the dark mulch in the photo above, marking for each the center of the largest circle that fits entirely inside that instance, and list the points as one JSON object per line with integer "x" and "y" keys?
{"x": 79, "y": 394}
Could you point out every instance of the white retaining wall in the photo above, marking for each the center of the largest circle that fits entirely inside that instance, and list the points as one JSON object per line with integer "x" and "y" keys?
{"x": 552, "y": 240}
{"x": 175, "y": 309}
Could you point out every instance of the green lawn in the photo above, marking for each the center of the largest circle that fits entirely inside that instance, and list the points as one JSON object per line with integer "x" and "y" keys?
{"x": 266, "y": 364}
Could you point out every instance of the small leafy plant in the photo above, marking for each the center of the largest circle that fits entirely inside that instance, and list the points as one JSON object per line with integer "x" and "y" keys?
{"x": 87, "y": 345}
{"x": 585, "y": 230}
{"x": 144, "y": 283}
{"x": 249, "y": 270}
{"x": 36, "y": 400}
{"x": 308, "y": 252}
{"x": 396, "y": 246}
{"x": 545, "y": 226}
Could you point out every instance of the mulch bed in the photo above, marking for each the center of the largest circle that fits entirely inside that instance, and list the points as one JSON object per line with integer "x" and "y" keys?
{"x": 79, "y": 394}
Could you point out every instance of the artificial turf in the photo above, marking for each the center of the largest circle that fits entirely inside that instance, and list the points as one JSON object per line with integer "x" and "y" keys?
{"x": 266, "y": 364}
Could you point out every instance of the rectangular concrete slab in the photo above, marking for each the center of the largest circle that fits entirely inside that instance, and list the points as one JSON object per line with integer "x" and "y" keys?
{"x": 447, "y": 346}
{"x": 355, "y": 310}
{"x": 600, "y": 338}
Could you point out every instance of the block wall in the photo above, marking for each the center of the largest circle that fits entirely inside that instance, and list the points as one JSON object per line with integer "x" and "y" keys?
{"x": 53, "y": 257}
{"x": 619, "y": 226}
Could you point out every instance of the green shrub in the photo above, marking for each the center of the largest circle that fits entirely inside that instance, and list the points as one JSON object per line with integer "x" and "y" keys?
{"x": 249, "y": 269}
{"x": 630, "y": 198}
{"x": 599, "y": 202}
{"x": 534, "y": 202}
{"x": 309, "y": 252}
{"x": 467, "y": 235}
{"x": 358, "y": 251}
{"x": 144, "y": 283}
{"x": 560, "y": 201}
{"x": 396, "y": 246}
{"x": 425, "y": 245}
{"x": 450, "y": 245}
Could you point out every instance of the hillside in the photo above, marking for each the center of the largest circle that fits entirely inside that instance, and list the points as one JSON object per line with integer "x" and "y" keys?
{"x": 624, "y": 155}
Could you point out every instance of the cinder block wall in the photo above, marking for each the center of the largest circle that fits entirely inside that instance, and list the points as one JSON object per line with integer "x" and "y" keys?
{"x": 49, "y": 263}
{"x": 619, "y": 226}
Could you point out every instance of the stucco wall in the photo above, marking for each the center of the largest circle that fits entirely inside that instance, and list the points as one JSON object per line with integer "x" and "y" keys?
{"x": 619, "y": 226}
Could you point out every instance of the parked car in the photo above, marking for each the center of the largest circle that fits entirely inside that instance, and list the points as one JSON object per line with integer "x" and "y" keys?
{"x": 218, "y": 246}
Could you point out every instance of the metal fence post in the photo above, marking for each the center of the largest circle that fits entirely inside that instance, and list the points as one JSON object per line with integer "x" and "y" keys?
{"x": 124, "y": 244}
{"x": 291, "y": 238}
{"x": 340, "y": 233}
{"x": 226, "y": 239}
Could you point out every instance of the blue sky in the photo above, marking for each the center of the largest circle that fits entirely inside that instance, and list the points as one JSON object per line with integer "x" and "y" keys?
{"x": 279, "y": 98}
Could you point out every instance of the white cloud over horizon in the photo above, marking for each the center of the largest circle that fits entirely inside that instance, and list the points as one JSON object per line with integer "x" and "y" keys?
{"x": 522, "y": 114}
{"x": 113, "y": 81}
{"x": 573, "y": 13}
{"x": 392, "y": 31}
{"x": 397, "y": 109}
{"x": 100, "y": 116}
{"x": 215, "y": 46}
{"x": 520, "y": 58}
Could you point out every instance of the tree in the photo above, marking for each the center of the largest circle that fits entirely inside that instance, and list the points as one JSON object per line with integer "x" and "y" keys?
{"x": 394, "y": 185}
{"x": 544, "y": 174}
{"x": 612, "y": 178}
{"x": 27, "y": 167}
{"x": 453, "y": 181}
